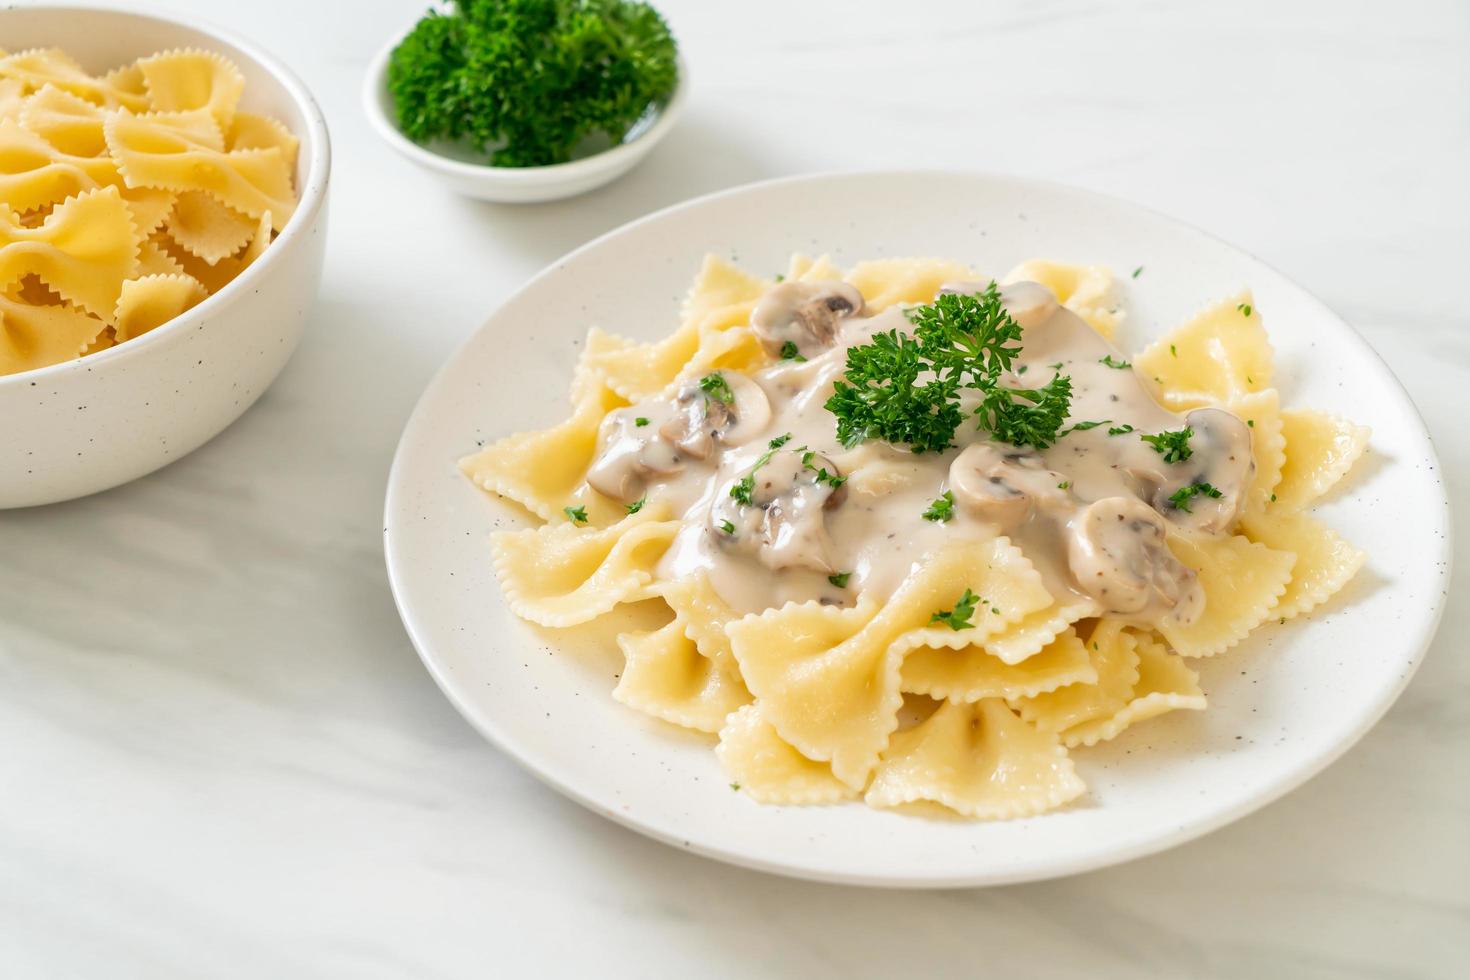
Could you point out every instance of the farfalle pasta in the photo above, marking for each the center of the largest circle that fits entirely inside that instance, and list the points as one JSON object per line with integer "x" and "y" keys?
{"x": 921, "y": 535}
{"x": 127, "y": 198}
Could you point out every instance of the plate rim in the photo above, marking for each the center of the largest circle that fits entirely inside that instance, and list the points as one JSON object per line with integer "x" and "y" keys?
{"x": 1038, "y": 871}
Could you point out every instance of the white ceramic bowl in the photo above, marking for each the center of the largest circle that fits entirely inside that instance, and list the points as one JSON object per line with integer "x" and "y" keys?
{"x": 1283, "y": 704}
{"x": 86, "y": 425}
{"x": 517, "y": 185}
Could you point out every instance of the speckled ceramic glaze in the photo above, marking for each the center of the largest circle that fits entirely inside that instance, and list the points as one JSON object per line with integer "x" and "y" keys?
{"x": 1282, "y": 705}
{"x": 86, "y": 425}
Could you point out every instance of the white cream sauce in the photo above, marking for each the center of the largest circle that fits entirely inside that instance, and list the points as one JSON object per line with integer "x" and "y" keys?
{"x": 1089, "y": 511}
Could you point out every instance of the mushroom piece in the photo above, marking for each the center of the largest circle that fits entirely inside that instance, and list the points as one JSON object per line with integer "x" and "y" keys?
{"x": 1004, "y": 486}
{"x": 1028, "y": 303}
{"x": 724, "y": 406}
{"x": 630, "y": 455}
{"x": 1221, "y": 460}
{"x": 785, "y": 522}
{"x": 1118, "y": 554}
{"x": 805, "y": 313}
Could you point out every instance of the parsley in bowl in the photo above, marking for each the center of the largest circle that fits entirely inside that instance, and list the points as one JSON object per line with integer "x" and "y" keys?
{"x": 526, "y": 100}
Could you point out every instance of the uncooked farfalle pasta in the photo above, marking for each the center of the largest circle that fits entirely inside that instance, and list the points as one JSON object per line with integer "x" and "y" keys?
{"x": 919, "y": 534}
{"x": 127, "y": 198}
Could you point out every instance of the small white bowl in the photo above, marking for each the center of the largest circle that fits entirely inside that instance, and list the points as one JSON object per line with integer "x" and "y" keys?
{"x": 518, "y": 185}
{"x": 86, "y": 425}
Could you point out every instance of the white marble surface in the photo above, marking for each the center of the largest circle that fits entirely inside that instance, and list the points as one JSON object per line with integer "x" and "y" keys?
{"x": 219, "y": 755}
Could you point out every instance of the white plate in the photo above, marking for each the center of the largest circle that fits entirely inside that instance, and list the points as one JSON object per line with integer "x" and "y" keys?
{"x": 1282, "y": 706}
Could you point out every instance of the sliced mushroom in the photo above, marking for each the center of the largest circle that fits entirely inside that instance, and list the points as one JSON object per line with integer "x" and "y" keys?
{"x": 1118, "y": 554}
{"x": 1221, "y": 463}
{"x": 805, "y": 313}
{"x": 730, "y": 413}
{"x": 784, "y": 524}
{"x": 630, "y": 455}
{"x": 1028, "y": 303}
{"x": 1004, "y": 486}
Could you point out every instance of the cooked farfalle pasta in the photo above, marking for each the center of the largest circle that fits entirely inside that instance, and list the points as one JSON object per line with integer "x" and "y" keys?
{"x": 869, "y": 619}
{"x": 127, "y": 198}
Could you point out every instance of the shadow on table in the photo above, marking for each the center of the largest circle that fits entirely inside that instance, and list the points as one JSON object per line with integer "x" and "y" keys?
{"x": 697, "y": 158}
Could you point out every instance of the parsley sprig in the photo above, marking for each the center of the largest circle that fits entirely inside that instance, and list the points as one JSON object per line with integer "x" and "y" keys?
{"x": 905, "y": 389}
{"x": 1005, "y": 412}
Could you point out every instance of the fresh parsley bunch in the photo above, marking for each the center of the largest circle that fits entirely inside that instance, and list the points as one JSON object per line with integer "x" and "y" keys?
{"x": 905, "y": 390}
{"x": 883, "y": 398}
{"x": 527, "y": 80}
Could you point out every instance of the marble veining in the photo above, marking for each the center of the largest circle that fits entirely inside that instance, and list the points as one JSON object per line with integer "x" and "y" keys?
{"x": 222, "y": 757}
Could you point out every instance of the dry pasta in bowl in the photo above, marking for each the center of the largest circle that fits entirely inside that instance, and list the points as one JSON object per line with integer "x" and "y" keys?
{"x": 127, "y": 198}
{"x": 921, "y": 533}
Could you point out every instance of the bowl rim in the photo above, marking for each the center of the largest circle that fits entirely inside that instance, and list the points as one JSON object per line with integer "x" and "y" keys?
{"x": 375, "y": 80}
{"x": 312, "y": 193}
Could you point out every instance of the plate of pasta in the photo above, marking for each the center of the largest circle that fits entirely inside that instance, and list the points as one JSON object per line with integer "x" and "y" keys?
{"x": 917, "y": 529}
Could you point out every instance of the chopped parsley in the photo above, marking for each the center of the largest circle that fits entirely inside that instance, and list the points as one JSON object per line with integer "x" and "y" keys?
{"x": 743, "y": 488}
{"x": 1180, "y": 498}
{"x": 1173, "y": 351}
{"x": 637, "y": 505}
{"x": 715, "y": 386}
{"x": 1107, "y": 359}
{"x": 1244, "y": 308}
{"x": 735, "y": 787}
{"x": 1251, "y": 423}
{"x": 727, "y": 526}
{"x": 1083, "y": 426}
{"x": 942, "y": 509}
{"x": 840, "y": 579}
{"x": 1137, "y": 272}
{"x": 577, "y": 515}
{"x": 790, "y": 352}
{"x": 640, "y": 421}
{"x": 1119, "y": 430}
{"x": 822, "y": 475}
{"x": 958, "y": 618}
{"x": 1173, "y": 446}
{"x": 780, "y": 277}
{"x": 1064, "y": 485}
